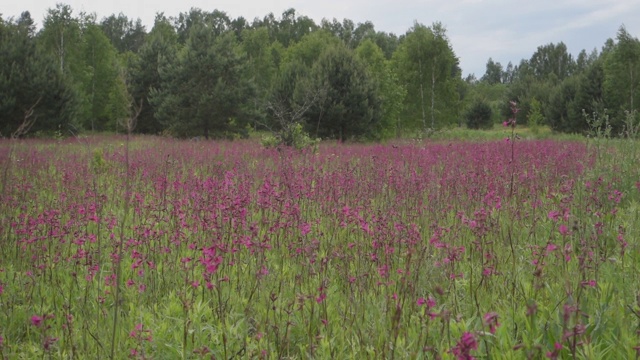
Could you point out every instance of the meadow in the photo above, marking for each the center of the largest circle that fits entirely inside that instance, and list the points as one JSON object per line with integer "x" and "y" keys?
{"x": 154, "y": 248}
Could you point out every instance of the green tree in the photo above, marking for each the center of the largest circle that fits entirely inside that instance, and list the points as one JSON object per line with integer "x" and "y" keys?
{"x": 364, "y": 31}
{"x": 494, "y": 73}
{"x": 584, "y": 60}
{"x": 351, "y": 107}
{"x": 292, "y": 28}
{"x": 124, "y": 34}
{"x": 103, "y": 86}
{"x": 590, "y": 94}
{"x": 290, "y": 98}
{"x": 428, "y": 68}
{"x": 471, "y": 92}
{"x": 388, "y": 43}
{"x": 552, "y": 60}
{"x": 261, "y": 64}
{"x": 391, "y": 93}
{"x": 204, "y": 93}
{"x": 62, "y": 36}
{"x": 535, "y": 116}
{"x": 561, "y": 111}
{"x": 159, "y": 48}
{"x": 508, "y": 74}
{"x": 342, "y": 30}
{"x": 216, "y": 21}
{"x": 622, "y": 77}
{"x": 310, "y": 47}
{"x": 32, "y": 88}
{"x": 479, "y": 116}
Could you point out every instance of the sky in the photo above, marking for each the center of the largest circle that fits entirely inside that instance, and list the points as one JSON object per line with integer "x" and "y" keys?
{"x": 504, "y": 30}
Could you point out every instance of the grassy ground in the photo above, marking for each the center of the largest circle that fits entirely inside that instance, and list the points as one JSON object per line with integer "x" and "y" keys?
{"x": 158, "y": 248}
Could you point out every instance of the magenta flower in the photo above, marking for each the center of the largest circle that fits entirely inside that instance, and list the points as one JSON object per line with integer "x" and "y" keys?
{"x": 305, "y": 229}
{"x": 491, "y": 319}
{"x": 563, "y": 229}
{"x": 463, "y": 348}
{"x": 556, "y": 351}
{"x": 36, "y": 320}
{"x": 263, "y": 271}
{"x": 554, "y": 215}
{"x": 430, "y": 302}
{"x": 321, "y": 298}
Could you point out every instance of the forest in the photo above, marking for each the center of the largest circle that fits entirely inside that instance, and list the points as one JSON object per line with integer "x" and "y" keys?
{"x": 204, "y": 74}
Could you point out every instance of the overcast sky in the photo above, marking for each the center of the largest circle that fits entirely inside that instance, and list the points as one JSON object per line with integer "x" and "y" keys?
{"x": 505, "y": 30}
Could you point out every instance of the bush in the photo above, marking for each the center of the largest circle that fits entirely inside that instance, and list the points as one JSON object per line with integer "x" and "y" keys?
{"x": 478, "y": 116}
{"x": 291, "y": 135}
{"x": 536, "y": 119}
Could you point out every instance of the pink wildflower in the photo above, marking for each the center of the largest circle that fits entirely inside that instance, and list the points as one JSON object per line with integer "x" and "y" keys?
{"x": 491, "y": 319}
{"x": 563, "y": 229}
{"x": 429, "y": 302}
{"x": 321, "y": 298}
{"x": 36, "y": 320}
{"x": 305, "y": 229}
{"x": 463, "y": 348}
{"x": 554, "y": 215}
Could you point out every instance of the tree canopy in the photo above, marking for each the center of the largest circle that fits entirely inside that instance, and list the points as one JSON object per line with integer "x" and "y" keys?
{"x": 203, "y": 73}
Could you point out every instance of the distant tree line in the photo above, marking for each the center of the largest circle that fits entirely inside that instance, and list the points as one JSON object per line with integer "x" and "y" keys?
{"x": 205, "y": 74}
{"x": 556, "y": 89}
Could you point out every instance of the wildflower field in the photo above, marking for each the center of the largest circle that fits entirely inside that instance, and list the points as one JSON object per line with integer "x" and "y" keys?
{"x": 164, "y": 249}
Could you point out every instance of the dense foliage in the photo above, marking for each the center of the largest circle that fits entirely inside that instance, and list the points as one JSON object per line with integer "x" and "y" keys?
{"x": 478, "y": 116}
{"x": 205, "y": 74}
{"x": 603, "y": 84}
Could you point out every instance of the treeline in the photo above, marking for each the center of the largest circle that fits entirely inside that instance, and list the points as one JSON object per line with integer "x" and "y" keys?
{"x": 568, "y": 94}
{"x": 205, "y": 74}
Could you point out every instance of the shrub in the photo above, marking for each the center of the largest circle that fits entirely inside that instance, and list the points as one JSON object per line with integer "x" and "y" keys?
{"x": 478, "y": 116}
{"x": 291, "y": 135}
